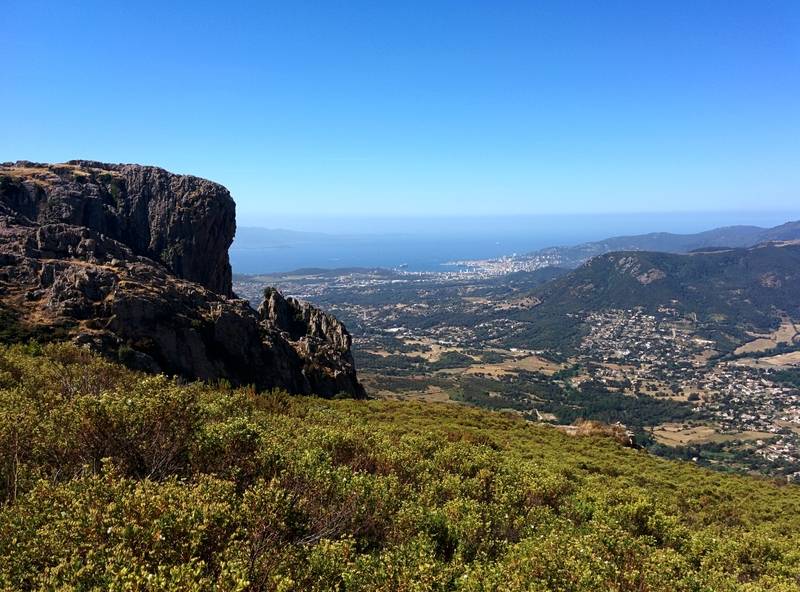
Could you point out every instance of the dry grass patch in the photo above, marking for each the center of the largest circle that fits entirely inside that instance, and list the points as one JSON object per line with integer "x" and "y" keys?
{"x": 680, "y": 435}
{"x": 785, "y": 334}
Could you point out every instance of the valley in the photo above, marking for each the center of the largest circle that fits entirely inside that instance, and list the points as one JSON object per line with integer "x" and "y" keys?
{"x": 691, "y": 377}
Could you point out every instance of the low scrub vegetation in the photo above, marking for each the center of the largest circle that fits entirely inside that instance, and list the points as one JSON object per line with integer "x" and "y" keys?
{"x": 112, "y": 480}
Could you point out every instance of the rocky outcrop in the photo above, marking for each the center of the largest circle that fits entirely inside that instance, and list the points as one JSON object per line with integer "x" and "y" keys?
{"x": 184, "y": 222}
{"x": 142, "y": 274}
{"x": 317, "y": 337}
{"x": 598, "y": 429}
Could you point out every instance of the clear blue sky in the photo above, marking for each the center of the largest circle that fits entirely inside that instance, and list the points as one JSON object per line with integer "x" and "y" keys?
{"x": 424, "y": 108}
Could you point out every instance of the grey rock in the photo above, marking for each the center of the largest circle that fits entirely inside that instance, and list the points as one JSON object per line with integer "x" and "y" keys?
{"x": 184, "y": 222}
{"x": 141, "y": 274}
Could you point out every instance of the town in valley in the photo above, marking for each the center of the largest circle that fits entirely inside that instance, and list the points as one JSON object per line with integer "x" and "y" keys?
{"x": 462, "y": 336}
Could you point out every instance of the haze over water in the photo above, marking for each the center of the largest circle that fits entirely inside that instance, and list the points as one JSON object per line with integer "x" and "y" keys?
{"x": 428, "y": 244}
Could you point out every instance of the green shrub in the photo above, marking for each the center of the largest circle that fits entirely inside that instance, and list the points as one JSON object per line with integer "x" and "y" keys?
{"x": 115, "y": 480}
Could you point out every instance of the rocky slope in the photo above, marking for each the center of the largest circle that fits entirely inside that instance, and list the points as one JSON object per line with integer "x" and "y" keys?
{"x": 132, "y": 261}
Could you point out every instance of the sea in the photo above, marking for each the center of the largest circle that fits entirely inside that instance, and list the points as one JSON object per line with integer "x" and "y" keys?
{"x": 412, "y": 252}
{"x": 441, "y": 243}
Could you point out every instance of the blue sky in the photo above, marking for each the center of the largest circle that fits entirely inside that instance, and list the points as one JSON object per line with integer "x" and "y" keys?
{"x": 419, "y": 108}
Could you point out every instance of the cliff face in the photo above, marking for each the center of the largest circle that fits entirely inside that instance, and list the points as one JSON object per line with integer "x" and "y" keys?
{"x": 318, "y": 338}
{"x": 183, "y": 222}
{"x": 132, "y": 261}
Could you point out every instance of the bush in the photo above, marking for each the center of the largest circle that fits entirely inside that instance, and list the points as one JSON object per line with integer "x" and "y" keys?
{"x": 114, "y": 480}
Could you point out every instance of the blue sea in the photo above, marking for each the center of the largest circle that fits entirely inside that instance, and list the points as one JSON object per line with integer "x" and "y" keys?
{"x": 430, "y": 244}
{"x": 412, "y": 252}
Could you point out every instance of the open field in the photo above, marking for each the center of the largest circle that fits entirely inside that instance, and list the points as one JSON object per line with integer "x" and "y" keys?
{"x": 529, "y": 363}
{"x": 429, "y": 349}
{"x": 433, "y": 394}
{"x": 534, "y": 363}
{"x": 678, "y": 435}
{"x": 432, "y": 351}
{"x": 493, "y": 370}
{"x": 785, "y": 334}
{"x": 787, "y": 360}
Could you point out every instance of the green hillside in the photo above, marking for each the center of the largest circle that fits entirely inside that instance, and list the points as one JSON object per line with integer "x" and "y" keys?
{"x": 112, "y": 480}
{"x": 729, "y": 292}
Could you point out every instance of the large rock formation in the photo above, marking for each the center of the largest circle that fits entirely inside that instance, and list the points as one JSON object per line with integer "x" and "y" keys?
{"x": 133, "y": 261}
{"x": 184, "y": 222}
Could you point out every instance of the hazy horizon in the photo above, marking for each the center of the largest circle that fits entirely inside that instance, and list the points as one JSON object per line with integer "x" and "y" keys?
{"x": 604, "y": 225}
{"x": 428, "y": 244}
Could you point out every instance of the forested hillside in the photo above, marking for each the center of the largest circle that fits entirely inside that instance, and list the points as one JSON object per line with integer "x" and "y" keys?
{"x": 113, "y": 480}
{"x": 729, "y": 292}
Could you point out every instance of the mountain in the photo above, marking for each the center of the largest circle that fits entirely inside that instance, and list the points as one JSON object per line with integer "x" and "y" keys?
{"x": 132, "y": 261}
{"x": 785, "y": 232}
{"x": 729, "y": 292}
{"x": 728, "y": 236}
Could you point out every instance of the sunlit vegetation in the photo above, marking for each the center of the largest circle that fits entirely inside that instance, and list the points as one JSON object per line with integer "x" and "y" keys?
{"x": 112, "y": 480}
{"x": 452, "y": 359}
